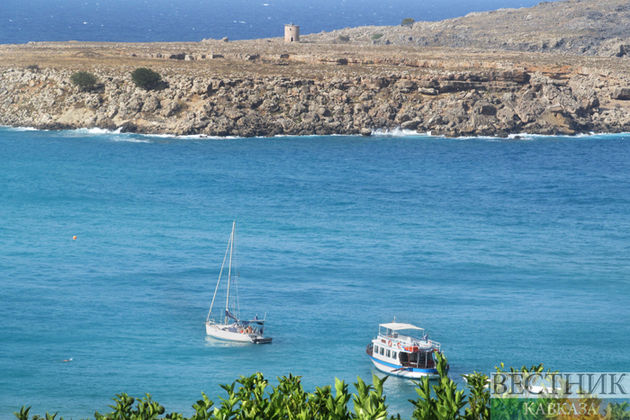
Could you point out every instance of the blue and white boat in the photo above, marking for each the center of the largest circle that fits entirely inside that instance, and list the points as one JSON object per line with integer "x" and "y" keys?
{"x": 404, "y": 355}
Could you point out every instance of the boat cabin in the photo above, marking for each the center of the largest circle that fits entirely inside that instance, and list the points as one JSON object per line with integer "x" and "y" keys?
{"x": 419, "y": 359}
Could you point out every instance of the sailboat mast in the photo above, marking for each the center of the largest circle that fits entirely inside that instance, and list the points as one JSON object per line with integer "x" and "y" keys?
{"x": 227, "y": 299}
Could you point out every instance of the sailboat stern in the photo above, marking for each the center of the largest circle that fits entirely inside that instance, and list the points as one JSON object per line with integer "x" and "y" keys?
{"x": 261, "y": 340}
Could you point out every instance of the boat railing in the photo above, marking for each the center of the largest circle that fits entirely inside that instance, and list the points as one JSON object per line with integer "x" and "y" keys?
{"x": 398, "y": 337}
{"x": 435, "y": 345}
{"x": 428, "y": 344}
{"x": 408, "y": 341}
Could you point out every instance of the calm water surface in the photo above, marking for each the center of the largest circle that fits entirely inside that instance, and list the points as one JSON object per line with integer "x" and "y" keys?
{"x": 512, "y": 251}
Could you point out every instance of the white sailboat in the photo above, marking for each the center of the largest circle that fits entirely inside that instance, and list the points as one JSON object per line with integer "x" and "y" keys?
{"x": 233, "y": 328}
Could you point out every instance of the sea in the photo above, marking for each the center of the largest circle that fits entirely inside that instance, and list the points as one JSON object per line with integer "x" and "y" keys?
{"x": 512, "y": 251}
{"x": 505, "y": 250}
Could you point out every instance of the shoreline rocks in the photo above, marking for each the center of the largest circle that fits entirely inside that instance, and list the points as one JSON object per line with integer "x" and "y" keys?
{"x": 465, "y": 103}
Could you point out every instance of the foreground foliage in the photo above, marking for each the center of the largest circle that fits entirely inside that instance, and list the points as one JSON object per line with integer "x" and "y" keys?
{"x": 254, "y": 398}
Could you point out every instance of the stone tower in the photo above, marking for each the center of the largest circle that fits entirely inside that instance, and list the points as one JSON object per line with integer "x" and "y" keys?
{"x": 291, "y": 33}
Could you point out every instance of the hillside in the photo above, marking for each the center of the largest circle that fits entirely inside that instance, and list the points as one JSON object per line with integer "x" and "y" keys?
{"x": 600, "y": 28}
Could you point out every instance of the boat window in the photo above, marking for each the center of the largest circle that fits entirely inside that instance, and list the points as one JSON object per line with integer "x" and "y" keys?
{"x": 382, "y": 351}
{"x": 394, "y": 354}
{"x": 376, "y": 349}
{"x": 388, "y": 353}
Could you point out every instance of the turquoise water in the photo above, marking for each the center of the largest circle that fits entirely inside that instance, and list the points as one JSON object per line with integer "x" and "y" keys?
{"x": 512, "y": 251}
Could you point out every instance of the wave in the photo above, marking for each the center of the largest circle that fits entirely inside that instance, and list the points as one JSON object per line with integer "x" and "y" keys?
{"x": 96, "y": 130}
{"x": 113, "y": 135}
{"x": 20, "y": 128}
{"x": 190, "y": 136}
{"x": 398, "y": 132}
{"x": 117, "y": 135}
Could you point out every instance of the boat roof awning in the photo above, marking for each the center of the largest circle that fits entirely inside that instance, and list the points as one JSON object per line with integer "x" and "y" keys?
{"x": 400, "y": 326}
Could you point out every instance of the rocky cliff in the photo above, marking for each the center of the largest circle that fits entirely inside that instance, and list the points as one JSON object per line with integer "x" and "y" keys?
{"x": 451, "y": 103}
{"x": 267, "y": 87}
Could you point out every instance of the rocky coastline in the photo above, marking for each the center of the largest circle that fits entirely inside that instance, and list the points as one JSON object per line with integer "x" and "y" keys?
{"x": 466, "y": 103}
{"x": 321, "y": 86}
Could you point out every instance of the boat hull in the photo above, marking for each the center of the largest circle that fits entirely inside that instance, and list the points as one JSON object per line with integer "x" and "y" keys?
{"x": 222, "y": 332}
{"x": 404, "y": 372}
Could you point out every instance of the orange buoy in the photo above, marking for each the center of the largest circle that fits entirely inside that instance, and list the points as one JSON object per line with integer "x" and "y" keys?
{"x": 74, "y": 237}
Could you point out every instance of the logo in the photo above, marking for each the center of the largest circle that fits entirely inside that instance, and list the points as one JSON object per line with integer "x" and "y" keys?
{"x": 559, "y": 385}
{"x": 570, "y": 395}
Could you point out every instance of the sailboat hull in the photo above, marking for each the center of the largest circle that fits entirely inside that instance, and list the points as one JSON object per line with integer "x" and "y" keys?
{"x": 229, "y": 333}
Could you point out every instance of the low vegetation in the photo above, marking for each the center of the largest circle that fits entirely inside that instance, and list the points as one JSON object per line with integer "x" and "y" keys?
{"x": 84, "y": 80}
{"x": 254, "y": 398}
{"x": 407, "y": 22}
{"x": 377, "y": 36}
{"x": 344, "y": 38}
{"x": 146, "y": 79}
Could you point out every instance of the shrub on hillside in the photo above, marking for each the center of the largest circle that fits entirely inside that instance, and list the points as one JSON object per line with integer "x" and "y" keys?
{"x": 146, "y": 78}
{"x": 407, "y": 22}
{"x": 84, "y": 80}
{"x": 377, "y": 36}
{"x": 344, "y": 38}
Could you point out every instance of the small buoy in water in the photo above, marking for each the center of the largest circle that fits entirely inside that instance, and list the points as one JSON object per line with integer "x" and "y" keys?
{"x": 74, "y": 237}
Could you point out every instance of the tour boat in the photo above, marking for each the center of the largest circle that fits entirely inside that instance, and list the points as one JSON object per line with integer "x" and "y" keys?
{"x": 233, "y": 328}
{"x": 404, "y": 355}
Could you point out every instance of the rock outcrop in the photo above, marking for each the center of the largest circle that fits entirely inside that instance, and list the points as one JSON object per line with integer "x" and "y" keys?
{"x": 466, "y": 103}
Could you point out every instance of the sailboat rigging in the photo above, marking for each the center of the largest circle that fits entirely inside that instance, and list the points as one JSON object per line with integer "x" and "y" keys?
{"x": 233, "y": 328}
